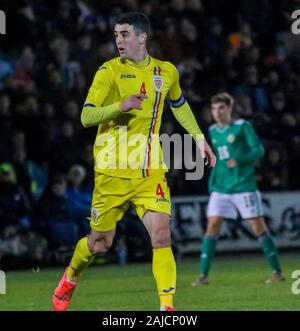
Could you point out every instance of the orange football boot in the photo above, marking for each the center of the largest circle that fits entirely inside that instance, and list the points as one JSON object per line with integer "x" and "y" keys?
{"x": 63, "y": 294}
{"x": 167, "y": 308}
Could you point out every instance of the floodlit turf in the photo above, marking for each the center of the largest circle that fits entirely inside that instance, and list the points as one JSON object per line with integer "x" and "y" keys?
{"x": 236, "y": 284}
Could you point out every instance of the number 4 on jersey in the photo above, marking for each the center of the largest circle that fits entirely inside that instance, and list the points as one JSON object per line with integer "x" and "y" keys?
{"x": 143, "y": 89}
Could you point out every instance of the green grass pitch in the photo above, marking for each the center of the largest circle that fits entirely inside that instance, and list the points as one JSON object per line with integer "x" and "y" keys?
{"x": 236, "y": 284}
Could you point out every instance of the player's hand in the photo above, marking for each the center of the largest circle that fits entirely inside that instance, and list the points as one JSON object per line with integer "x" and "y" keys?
{"x": 133, "y": 102}
{"x": 231, "y": 163}
{"x": 207, "y": 153}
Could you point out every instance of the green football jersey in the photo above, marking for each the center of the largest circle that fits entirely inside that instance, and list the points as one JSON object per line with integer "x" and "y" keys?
{"x": 237, "y": 141}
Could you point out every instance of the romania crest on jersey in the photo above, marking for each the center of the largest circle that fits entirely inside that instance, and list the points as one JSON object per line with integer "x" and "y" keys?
{"x": 158, "y": 82}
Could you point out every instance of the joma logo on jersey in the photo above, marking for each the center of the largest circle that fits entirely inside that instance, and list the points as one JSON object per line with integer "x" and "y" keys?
{"x": 128, "y": 76}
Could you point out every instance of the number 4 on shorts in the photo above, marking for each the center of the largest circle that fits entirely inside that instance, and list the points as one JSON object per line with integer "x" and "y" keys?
{"x": 159, "y": 191}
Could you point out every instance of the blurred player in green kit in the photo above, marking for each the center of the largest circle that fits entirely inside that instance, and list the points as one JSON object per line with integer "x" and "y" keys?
{"x": 232, "y": 185}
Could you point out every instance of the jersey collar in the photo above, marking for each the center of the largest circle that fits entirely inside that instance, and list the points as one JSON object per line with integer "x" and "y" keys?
{"x": 224, "y": 128}
{"x": 141, "y": 65}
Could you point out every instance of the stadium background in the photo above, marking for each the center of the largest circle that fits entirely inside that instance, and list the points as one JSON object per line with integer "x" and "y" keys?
{"x": 47, "y": 61}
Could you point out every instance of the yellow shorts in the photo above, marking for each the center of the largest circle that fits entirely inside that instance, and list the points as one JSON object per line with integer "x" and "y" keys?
{"x": 112, "y": 196}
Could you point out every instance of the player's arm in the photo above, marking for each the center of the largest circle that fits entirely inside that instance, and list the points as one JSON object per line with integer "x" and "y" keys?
{"x": 186, "y": 118}
{"x": 211, "y": 179}
{"x": 93, "y": 112}
{"x": 255, "y": 148}
{"x": 212, "y": 175}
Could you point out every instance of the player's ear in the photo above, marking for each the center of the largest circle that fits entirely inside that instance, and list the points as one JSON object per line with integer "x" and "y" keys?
{"x": 142, "y": 38}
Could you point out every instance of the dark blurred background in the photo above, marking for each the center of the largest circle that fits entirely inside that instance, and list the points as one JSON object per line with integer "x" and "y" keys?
{"x": 48, "y": 58}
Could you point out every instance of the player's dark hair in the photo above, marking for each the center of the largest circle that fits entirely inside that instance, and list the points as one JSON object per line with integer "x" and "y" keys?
{"x": 222, "y": 97}
{"x": 139, "y": 21}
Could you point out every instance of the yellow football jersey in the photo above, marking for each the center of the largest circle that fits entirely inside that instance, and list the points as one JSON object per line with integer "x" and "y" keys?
{"x": 128, "y": 146}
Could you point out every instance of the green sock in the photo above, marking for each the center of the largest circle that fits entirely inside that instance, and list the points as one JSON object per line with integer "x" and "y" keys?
{"x": 270, "y": 251}
{"x": 207, "y": 253}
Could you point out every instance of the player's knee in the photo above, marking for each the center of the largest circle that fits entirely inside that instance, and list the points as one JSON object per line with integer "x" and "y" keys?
{"x": 100, "y": 246}
{"x": 161, "y": 238}
{"x": 258, "y": 227}
{"x": 213, "y": 228}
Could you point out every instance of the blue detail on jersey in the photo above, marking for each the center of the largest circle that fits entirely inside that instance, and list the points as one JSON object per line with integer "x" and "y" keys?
{"x": 176, "y": 103}
{"x": 89, "y": 105}
{"x": 101, "y": 68}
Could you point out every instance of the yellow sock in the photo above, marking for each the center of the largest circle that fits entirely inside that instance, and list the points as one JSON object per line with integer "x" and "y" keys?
{"x": 164, "y": 271}
{"x": 166, "y": 300}
{"x": 82, "y": 257}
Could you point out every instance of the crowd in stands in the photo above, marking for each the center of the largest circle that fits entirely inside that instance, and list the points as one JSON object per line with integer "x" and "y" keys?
{"x": 48, "y": 58}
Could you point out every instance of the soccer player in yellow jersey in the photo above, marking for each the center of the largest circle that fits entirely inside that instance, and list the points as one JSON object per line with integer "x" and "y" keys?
{"x": 126, "y": 101}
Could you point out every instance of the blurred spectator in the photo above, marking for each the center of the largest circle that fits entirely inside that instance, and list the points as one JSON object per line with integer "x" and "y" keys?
{"x": 293, "y": 162}
{"x": 252, "y": 87}
{"x": 71, "y": 113}
{"x": 241, "y": 38}
{"x": 243, "y": 106}
{"x": 63, "y": 150}
{"x": 22, "y": 81}
{"x": 30, "y": 175}
{"x": 275, "y": 175}
{"x": 213, "y": 41}
{"x": 80, "y": 200}
{"x": 173, "y": 46}
{"x": 273, "y": 82}
{"x": 6, "y": 126}
{"x": 86, "y": 160}
{"x": 55, "y": 215}
{"x": 6, "y": 69}
{"x": 28, "y": 119}
{"x": 21, "y": 248}
{"x": 278, "y": 103}
{"x": 15, "y": 207}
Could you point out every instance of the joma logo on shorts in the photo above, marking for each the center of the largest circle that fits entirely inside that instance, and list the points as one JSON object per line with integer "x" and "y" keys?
{"x": 162, "y": 200}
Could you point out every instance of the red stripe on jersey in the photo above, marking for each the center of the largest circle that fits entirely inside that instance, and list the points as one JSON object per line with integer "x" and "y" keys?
{"x": 153, "y": 128}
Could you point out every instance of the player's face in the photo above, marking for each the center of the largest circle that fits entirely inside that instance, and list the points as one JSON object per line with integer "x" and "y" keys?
{"x": 221, "y": 113}
{"x": 127, "y": 41}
